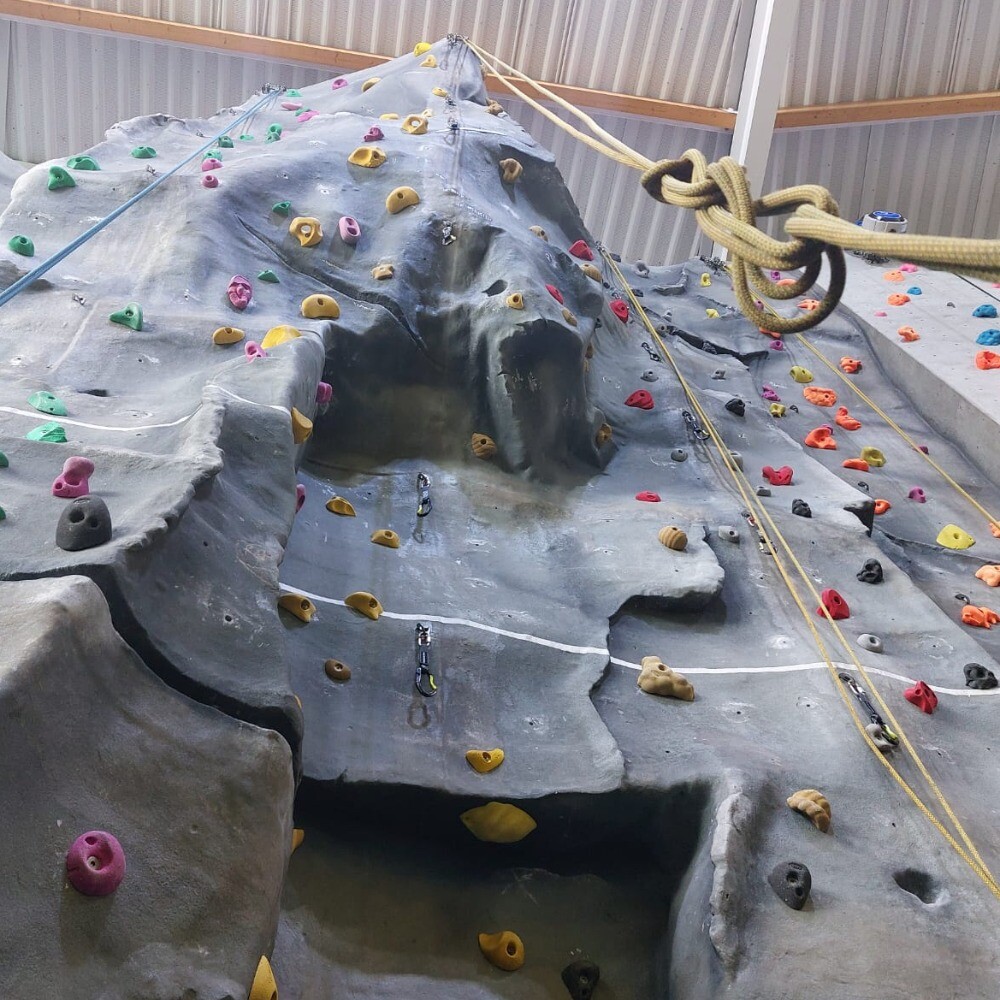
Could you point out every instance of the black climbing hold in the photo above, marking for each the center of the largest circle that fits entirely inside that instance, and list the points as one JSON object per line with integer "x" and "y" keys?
{"x": 581, "y": 979}
{"x": 763, "y": 491}
{"x": 871, "y": 572}
{"x": 978, "y": 677}
{"x": 637, "y": 293}
{"x": 84, "y": 523}
{"x": 791, "y": 881}
{"x": 616, "y": 257}
{"x": 864, "y": 511}
{"x": 737, "y": 406}
{"x": 801, "y": 508}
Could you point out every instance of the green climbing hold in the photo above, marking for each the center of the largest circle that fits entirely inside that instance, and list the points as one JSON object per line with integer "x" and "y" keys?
{"x": 22, "y": 245}
{"x": 130, "y": 316}
{"x": 51, "y": 432}
{"x": 3, "y": 514}
{"x": 282, "y": 207}
{"x": 59, "y": 177}
{"x": 269, "y": 276}
{"x": 82, "y": 163}
{"x": 246, "y": 138}
{"x": 47, "y": 403}
{"x": 213, "y": 154}
{"x": 226, "y": 141}
{"x": 144, "y": 152}
{"x": 292, "y": 93}
{"x": 273, "y": 133}
{"x": 3, "y": 461}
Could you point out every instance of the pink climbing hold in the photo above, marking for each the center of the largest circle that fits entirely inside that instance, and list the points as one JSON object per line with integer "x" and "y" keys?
{"x": 75, "y": 479}
{"x": 374, "y": 134}
{"x": 770, "y": 395}
{"x": 324, "y": 393}
{"x": 291, "y": 105}
{"x": 350, "y": 231}
{"x": 253, "y": 350}
{"x": 210, "y": 164}
{"x": 581, "y": 250}
{"x": 555, "y": 293}
{"x": 641, "y": 399}
{"x": 305, "y": 116}
{"x": 95, "y": 864}
{"x": 648, "y": 497}
{"x": 338, "y": 83}
{"x": 908, "y": 268}
{"x": 917, "y": 494}
{"x": 881, "y": 312}
{"x": 620, "y": 309}
{"x": 240, "y": 291}
{"x": 300, "y": 496}
{"x": 834, "y": 604}
{"x": 922, "y": 696}
{"x": 923, "y": 448}
{"x": 777, "y": 345}
{"x": 210, "y": 181}
{"x": 778, "y": 477}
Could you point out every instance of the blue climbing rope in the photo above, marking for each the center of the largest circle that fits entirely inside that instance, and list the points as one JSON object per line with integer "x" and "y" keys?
{"x": 47, "y": 265}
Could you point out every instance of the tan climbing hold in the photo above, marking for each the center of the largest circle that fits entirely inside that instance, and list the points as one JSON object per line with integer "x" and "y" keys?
{"x": 279, "y": 335}
{"x": 414, "y": 124}
{"x": 382, "y": 272}
{"x": 367, "y": 156}
{"x": 338, "y": 505}
{"x": 302, "y": 427}
{"x": 498, "y": 823}
{"x": 484, "y": 761}
{"x": 657, "y": 678}
{"x": 603, "y": 435}
{"x": 400, "y": 198}
{"x": 673, "y": 538}
{"x": 510, "y": 170}
{"x": 591, "y": 272}
{"x": 439, "y": 92}
{"x": 989, "y": 574}
{"x": 428, "y": 113}
{"x": 515, "y": 300}
{"x": 389, "y": 116}
{"x": 297, "y": 837}
{"x": 812, "y": 804}
{"x": 370, "y": 82}
{"x": 337, "y": 670}
{"x": 365, "y": 603}
{"x": 494, "y": 107}
{"x": 430, "y": 62}
{"x": 483, "y": 446}
{"x": 504, "y": 949}
{"x": 298, "y": 605}
{"x": 386, "y": 537}
{"x": 320, "y": 307}
{"x": 264, "y": 986}
{"x": 539, "y": 232}
{"x": 568, "y": 316}
{"x": 306, "y": 230}
{"x": 227, "y": 335}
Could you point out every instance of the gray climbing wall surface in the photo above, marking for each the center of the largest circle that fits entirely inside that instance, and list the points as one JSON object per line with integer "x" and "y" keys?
{"x": 421, "y": 303}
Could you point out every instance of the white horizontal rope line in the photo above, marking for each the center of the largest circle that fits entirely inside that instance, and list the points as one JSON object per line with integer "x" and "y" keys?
{"x": 37, "y": 415}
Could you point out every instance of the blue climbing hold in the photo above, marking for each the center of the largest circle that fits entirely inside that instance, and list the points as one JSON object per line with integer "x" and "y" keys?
{"x": 989, "y": 338}
{"x": 913, "y": 290}
{"x": 985, "y": 311}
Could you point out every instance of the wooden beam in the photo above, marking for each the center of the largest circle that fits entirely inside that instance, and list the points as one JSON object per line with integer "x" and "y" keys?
{"x": 892, "y": 110}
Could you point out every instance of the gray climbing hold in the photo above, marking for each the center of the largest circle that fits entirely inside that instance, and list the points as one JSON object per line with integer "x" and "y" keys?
{"x": 737, "y": 459}
{"x": 678, "y": 455}
{"x": 84, "y": 523}
{"x": 801, "y": 508}
{"x": 719, "y": 373}
{"x": 649, "y": 375}
{"x": 978, "y": 677}
{"x": 871, "y": 572}
{"x": 581, "y": 978}
{"x": 729, "y": 534}
{"x": 792, "y": 883}
{"x": 763, "y": 491}
{"x": 870, "y": 642}
{"x": 641, "y": 267}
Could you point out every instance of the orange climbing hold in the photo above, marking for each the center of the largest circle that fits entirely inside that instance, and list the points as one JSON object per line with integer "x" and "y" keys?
{"x": 894, "y": 276}
{"x": 987, "y": 359}
{"x": 990, "y": 575}
{"x": 850, "y": 365}
{"x": 908, "y": 334}
{"x": 819, "y": 397}
{"x": 858, "y": 464}
{"x": 785, "y": 281}
{"x": 821, "y": 437}
{"x": 980, "y": 617}
{"x": 881, "y": 506}
{"x": 810, "y": 305}
{"x": 845, "y": 420}
{"x": 774, "y": 335}
{"x": 994, "y": 529}
{"x": 898, "y": 299}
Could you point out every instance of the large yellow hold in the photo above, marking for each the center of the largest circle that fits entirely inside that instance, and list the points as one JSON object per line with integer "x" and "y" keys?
{"x": 302, "y": 427}
{"x": 279, "y": 335}
{"x": 400, "y": 198}
{"x": 657, "y": 678}
{"x": 320, "y": 307}
{"x": 951, "y": 536}
{"x": 306, "y": 229}
{"x": 498, "y": 823}
{"x": 367, "y": 156}
{"x": 365, "y": 603}
{"x": 814, "y": 805}
{"x": 264, "y": 986}
{"x": 504, "y": 949}
{"x": 298, "y": 605}
{"x": 484, "y": 761}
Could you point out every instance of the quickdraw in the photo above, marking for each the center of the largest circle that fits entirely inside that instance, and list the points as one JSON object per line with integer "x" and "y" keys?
{"x": 859, "y": 692}
{"x": 423, "y": 494}
{"x": 694, "y": 426}
{"x": 423, "y": 679}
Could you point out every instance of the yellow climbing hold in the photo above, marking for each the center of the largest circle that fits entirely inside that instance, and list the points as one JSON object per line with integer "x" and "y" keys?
{"x": 800, "y": 374}
{"x": 264, "y": 987}
{"x": 306, "y": 229}
{"x": 439, "y": 92}
{"x": 515, "y": 300}
{"x": 389, "y": 116}
{"x": 504, "y": 949}
{"x": 705, "y": 280}
{"x": 382, "y": 272}
{"x": 367, "y": 604}
{"x": 712, "y": 313}
{"x": 568, "y": 316}
{"x": 430, "y": 62}
{"x": 320, "y": 307}
{"x": 484, "y": 761}
{"x": 370, "y": 82}
{"x": 297, "y": 837}
{"x": 814, "y": 805}
{"x": 338, "y": 505}
{"x": 777, "y": 409}
{"x": 510, "y": 170}
{"x": 427, "y": 113}
{"x": 873, "y": 457}
{"x": 498, "y": 823}
{"x": 673, "y": 538}
{"x": 367, "y": 156}
{"x": 539, "y": 232}
{"x": 591, "y": 271}
{"x": 227, "y": 335}
{"x": 279, "y": 335}
{"x": 302, "y": 427}
{"x": 483, "y": 446}
{"x": 951, "y": 536}
{"x": 386, "y": 537}
{"x": 657, "y": 678}
{"x": 603, "y": 435}
{"x": 400, "y": 198}
{"x": 298, "y": 605}
{"x": 414, "y": 124}
{"x": 421, "y": 47}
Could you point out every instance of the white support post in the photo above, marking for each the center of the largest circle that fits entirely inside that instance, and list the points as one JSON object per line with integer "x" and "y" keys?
{"x": 5, "y": 70}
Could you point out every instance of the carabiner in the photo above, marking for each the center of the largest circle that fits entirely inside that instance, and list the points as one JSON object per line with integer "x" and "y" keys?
{"x": 423, "y": 494}
{"x": 423, "y": 672}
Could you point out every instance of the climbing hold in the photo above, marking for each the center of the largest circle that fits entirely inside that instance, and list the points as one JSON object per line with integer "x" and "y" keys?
{"x": 226, "y": 141}
{"x": 819, "y": 397}
{"x": 504, "y": 949}
{"x": 430, "y": 62}
{"x": 791, "y": 882}
{"x": 269, "y": 276}
{"x": 144, "y": 152}
{"x": 4, "y": 463}
{"x": 581, "y": 978}
{"x": 421, "y": 47}
{"x": 917, "y": 494}
{"x": 712, "y": 313}
{"x": 979, "y": 616}
{"x": 227, "y": 335}
{"x": 776, "y": 345}
{"x": 298, "y": 836}
{"x": 858, "y": 464}
{"x": 646, "y": 496}
{"x": 382, "y": 272}
{"x": 374, "y": 134}
{"x": 300, "y": 496}
{"x": 484, "y": 761}
{"x": 439, "y": 92}
{"x": 83, "y": 524}
{"x": 515, "y": 300}
{"x": 539, "y": 232}
{"x": 593, "y": 273}
{"x": 953, "y": 537}
{"x": 763, "y": 491}
{"x": 851, "y": 365}
{"x": 914, "y": 290}
{"x": 989, "y": 574}
{"x": 498, "y": 823}
{"x": 210, "y": 181}
{"x": 673, "y": 538}
{"x": 75, "y": 478}
{"x": 845, "y": 420}
{"x": 240, "y": 291}
{"x": 291, "y": 105}
{"x": 814, "y": 805}
{"x": 483, "y": 446}
{"x": 400, "y": 198}
{"x": 801, "y": 508}
{"x": 215, "y": 154}
{"x": 835, "y": 605}
{"x": 302, "y": 426}
{"x": 769, "y": 394}
{"x": 306, "y": 230}
{"x": 581, "y": 250}
{"x": 324, "y": 393}
{"x": 641, "y": 399}
{"x": 210, "y": 164}
{"x": 603, "y": 435}
{"x": 821, "y": 437}
{"x": 60, "y": 178}
{"x": 870, "y": 642}
{"x": 279, "y": 335}
{"x": 273, "y": 133}
{"x": 778, "y": 477}
{"x": 45, "y": 402}
{"x": 51, "y": 433}
{"x": 365, "y": 603}
{"x": 895, "y": 276}
{"x": 985, "y": 360}
{"x": 908, "y": 334}
{"x": 777, "y": 409}
{"x": 555, "y": 293}
{"x": 705, "y": 280}
{"x": 386, "y": 537}
{"x": 871, "y": 572}
{"x": 989, "y": 338}
{"x": 298, "y": 605}
{"x": 320, "y": 307}
{"x": 922, "y": 696}
{"x": 264, "y": 986}
{"x": 252, "y": 351}
{"x": 978, "y": 677}
{"x": 22, "y": 245}
{"x": 620, "y": 309}
{"x": 881, "y": 312}
{"x": 95, "y": 863}
{"x": 719, "y": 373}
{"x": 873, "y": 457}
{"x": 494, "y": 107}
{"x": 568, "y": 316}
{"x": 510, "y": 170}
{"x": 336, "y": 670}
{"x": 809, "y": 305}
{"x": 338, "y": 83}
{"x": 728, "y": 534}
{"x": 350, "y": 231}
{"x": 82, "y": 163}
{"x": 898, "y": 299}
{"x": 367, "y": 156}
{"x": 338, "y": 505}
{"x": 881, "y": 506}
{"x": 281, "y": 208}
{"x": 130, "y": 316}
{"x": 657, "y": 678}
{"x": 985, "y": 311}
{"x": 800, "y": 374}
{"x": 736, "y": 406}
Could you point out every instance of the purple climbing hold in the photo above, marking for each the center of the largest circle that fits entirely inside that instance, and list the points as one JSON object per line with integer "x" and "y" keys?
{"x": 95, "y": 864}
{"x": 374, "y": 134}
{"x": 777, "y": 345}
{"x": 770, "y": 395}
{"x": 350, "y": 231}
{"x": 338, "y": 83}
{"x": 300, "y": 496}
{"x": 210, "y": 181}
{"x": 324, "y": 393}
{"x": 253, "y": 350}
{"x": 240, "y": 291}
{"x": 210, "y": 164}
{"x": 75, "y": 479}
{"x": 917, "y": 494}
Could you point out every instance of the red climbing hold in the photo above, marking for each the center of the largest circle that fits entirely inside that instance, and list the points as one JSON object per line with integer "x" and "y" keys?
{"x": 834, "y": 604}
{"x": 620, "y": 309}
{"x": 581, "y": 250}
{"x": 324, "y": 393}
{"x": 555, "y": 293}
{"x": 987, "y": 359}
{"x": 647, "y": 497}
{"x": 778, "y": 477}
{"x": 640, "y": 399}
{"x": 921, "y": 696}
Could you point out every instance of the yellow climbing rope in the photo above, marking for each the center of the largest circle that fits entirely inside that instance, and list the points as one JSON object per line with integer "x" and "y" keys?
{"x": 773, "y": 538}
{"x": 719, "y": 195}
